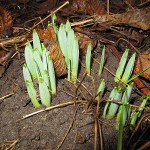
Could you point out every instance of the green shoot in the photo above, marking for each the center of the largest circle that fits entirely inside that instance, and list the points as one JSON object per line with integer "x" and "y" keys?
{"x": 68, "y": 26}
{"x": 26, "y": 73}
{"x": 36, "y": 42}
{"x": 30, "y": 87}
{"x": 38, "y": 59}
{"x": 114, "y": 107}
{"x": 102, "y": 62}
{"x": 129, "y": 69}
{"x": 138, "y": 74}
{"x": 44, "y": 93}
{"x": 45, "y": 67}
{"x": 121, "y": 66}
{"x": 29, "y": 59}
{"x": 100, "y": 89}
{"x": 70, "y": 48}
{"x": 54, "y": 24}
{"x": 111, "y": 97}
{"x": 69, "y": 70}
{"x": 62, "y": 38}
{"x": 41, "y": 66}
{"x": 52, "y": 76}
{"x": 88, "y": 59}
{"x": 123, "y": 107}
{"x": 136, "y": 114}
{"x": 75, "y": 60}
{"x": 123, "y": 114}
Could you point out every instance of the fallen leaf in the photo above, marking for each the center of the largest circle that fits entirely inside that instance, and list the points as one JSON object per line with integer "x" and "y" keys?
{"x": 138, "y": 18}
{"x": 6, "y": 22}
{"x": 143, "y": 62}
{"x": 51, "y": 42}
{"x": 46, "y": 7}
{"x": 90, "y": 7}
{"x": 84, "y": 40}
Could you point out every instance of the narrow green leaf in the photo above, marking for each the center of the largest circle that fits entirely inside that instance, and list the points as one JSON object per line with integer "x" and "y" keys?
{"x": 111, "y": 97}
{"x": 44, "y": 57}
{"x": 124, "y": 107}
{"x": 69, "y": 70}
{"x": 36, "y": 42}
{"x": 54, "y": 18}
{"x": 29, "y": 59}
{"x": 54, "y": 24}
{"x": 45, "y": 66}
{"x": 38, "y": 73}
{"x": 62, "y": 38}
{"x": 30, "y": 87}
{"x": 138, "y": 74}
{"x": 68, "y": 26}
{"x": 70, "y": 41}
{"x": 129, "y": 90}
{"x": 26, "y": 73}
{"x": 32, "y": 93}
{"x": 38, "y": 60}
{"x": 134, "y": 117}
{"x": 102, "y": 62}
{"x": 122, "y": 113}
{"x": 52, "y": 77}
{"x": 120, "y": 128}
{"x": 129, "y": 69}
{"x": 44, "y": 93}
{"x": 100, "y": 89}
{"x": 113, "y": 108}
{"x": 75, "y": 61}
{"x": 138, "y": 112}
{"x": 88, "y": 59}
{"x": 121, "y": 66}
{"x": 46, "y": 78}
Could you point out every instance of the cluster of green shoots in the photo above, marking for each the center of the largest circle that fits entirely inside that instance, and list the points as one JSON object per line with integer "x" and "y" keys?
{"x": 122, "y": 94}
{"x": 70, "y": 48}
{"x": 38, "y": 72}
{"x": 39, "y": 66}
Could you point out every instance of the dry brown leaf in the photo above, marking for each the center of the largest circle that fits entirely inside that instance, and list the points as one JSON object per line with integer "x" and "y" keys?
{"x": 90, "y": 7}
{"x": 84, "y": 40}
{"x": 51, "y": 42}
{"x": 6, "y": 22}
{"x": 143, "y": 62}
{"x": 139, "y": 18}
{"x": 46, "y": 7}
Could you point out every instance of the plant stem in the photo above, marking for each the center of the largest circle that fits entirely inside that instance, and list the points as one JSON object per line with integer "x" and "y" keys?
{"x": 120, "y": 132}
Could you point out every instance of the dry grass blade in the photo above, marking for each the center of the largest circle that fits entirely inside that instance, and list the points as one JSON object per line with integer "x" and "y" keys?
{"x": 8, "y": 145}
{"x": 95, "y": 133}
{"x": 54, "y": 107}
{"x": 145, "y": 146}
{"x": 6, "y": 96}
